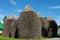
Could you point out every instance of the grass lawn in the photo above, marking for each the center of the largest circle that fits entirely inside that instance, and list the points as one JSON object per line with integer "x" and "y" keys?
{"x": 58, "y": 35}
{"x": 6, "y": 38}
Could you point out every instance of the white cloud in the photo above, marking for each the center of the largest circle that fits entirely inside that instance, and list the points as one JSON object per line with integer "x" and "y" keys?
{"x": 1, "y": 21}
{"x": 55, "y": 7}
{"x": 13, "y": 2}
{"x": 1, "y": 17}
{"x": 58, "y": 20}
{"x": 18, "y": 10}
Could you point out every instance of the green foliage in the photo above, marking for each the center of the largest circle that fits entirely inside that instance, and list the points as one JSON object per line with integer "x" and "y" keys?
{"x": 4, "y": 18}
{"x": 59, "y": 26}
{"x": 1, "y": 25}
{"x": 45, "y": 17}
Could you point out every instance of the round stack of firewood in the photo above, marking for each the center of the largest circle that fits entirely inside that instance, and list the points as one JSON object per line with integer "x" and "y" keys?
{"x": 14, "y": 29}
{"x": 29, "y": 25}
{"x": 52, "y": 29}
{"x": 44, "y": 24}
{"x": 7, "y": 27}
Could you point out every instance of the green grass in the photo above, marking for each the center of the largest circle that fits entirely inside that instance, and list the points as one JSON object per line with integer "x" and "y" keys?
{"x": 6, "y": 38}
{"x": 58, "y": 35}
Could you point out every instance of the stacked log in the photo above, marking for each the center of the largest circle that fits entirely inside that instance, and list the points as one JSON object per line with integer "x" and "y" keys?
{"x": 14, "y": 29}
{"x": 29, "y": 24}
{"x": 7, "y": 26}
{"x": 52, "y": 29}
{"x": 44, "y": 25}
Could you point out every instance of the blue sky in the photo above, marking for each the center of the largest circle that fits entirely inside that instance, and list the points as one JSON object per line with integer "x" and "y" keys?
{"x": 45, "y": 7}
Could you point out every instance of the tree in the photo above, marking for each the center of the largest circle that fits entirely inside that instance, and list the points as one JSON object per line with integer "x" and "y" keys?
{"x": 4, "y": 18}
{"x": 59, "y": 26}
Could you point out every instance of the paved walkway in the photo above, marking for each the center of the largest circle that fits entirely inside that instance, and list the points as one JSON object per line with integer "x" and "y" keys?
{"x": 54, "y": 39}
{"x": 0, "y": 31}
